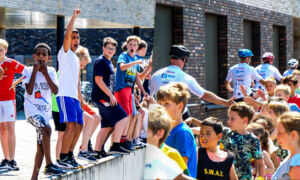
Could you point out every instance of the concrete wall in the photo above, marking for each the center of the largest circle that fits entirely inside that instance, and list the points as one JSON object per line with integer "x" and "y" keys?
{"x": 122, "y": 167}
{"x": 283, "y": 6}
{"x": 134, "y": 12}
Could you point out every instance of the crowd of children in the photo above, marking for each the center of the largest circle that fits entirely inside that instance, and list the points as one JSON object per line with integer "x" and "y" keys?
{"x": 262, "y": 137}
{"x": 57, "y": 95}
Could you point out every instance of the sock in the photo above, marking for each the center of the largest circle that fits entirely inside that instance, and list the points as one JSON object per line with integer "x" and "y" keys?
{"x": 123, "y": 139}
{"x": 49, "y": 165}
{"x": 116, "y": 144}
{"x": 63, "y": 156}
{"x": 102, "y": 148}
{"x": 70, "y": 154}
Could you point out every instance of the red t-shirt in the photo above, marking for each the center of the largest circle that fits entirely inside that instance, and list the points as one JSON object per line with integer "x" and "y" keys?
{"x": 10, "y": 67}
{"x": 295, "y": 99}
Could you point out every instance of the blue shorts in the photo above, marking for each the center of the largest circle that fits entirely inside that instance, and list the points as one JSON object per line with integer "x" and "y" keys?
{"x": 134, "y": 111}
{"x": 110, "y": 114}
{"x": 69, "y": 110}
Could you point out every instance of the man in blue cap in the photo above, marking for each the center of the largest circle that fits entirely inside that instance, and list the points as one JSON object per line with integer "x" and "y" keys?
{"x": 242, "y": 74}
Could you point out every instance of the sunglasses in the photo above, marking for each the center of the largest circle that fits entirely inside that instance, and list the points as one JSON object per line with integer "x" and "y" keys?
{"x": 43, "y": 54}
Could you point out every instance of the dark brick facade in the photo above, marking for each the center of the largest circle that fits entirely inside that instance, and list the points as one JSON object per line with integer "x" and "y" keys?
{"x": 22, "y": 41}
{"x": 231, "y": 15}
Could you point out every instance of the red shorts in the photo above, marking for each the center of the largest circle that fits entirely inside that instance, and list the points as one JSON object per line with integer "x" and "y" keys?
{"x": 124, "y": 98}
{"x": 88, "y": 109}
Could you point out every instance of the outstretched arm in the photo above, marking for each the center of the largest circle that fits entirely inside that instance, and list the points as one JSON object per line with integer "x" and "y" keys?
{"x": 124, "y": 67}
{"x": 67, "y": 39}
{"x": 16, "y": 82}
{"x": 211, "y": 97}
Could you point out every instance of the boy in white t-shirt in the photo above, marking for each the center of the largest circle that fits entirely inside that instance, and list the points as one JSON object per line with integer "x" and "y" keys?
{"x": 40, "y": 81}
{"x": 69, "y": 99}
{"x": 242, "y": 75}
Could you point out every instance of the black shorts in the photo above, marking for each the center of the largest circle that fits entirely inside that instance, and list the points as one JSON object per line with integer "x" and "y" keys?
{"x": 58, "y": 125}
{"x": 110, "y": 114}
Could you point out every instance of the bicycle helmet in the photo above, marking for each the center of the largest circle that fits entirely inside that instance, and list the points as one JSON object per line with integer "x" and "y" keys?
{"x": 293, "y": 63}
{"x": 245, "y": 53}
{"x": 267, "y": 57}
{"x": 179, "y": 51}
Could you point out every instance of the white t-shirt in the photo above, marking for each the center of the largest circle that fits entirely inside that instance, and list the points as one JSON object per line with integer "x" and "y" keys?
{"x": 39, "y": 102}
{"x": 242, "y": 74}
{"x": 288, "y": 72}
{"x": 68, "y": 73}
{"x": 174, "y": 74}
{"x": 158, "y": 165}
{"x": 143, "y": 133}
{"x": 265, "y": 71}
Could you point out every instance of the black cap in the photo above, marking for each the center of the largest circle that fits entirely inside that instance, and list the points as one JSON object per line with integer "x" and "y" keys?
{"x": 179, "y": 51}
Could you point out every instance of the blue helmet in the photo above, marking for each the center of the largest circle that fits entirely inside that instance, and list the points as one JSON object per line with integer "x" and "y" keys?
{"x": 245, "y": 53}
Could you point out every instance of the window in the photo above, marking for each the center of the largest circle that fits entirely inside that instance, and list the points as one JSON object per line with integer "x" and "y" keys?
{"x": 215, "y": 53}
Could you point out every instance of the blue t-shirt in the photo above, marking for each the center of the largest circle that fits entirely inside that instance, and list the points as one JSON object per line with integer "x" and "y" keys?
{"x": 104, "y": 68}
{"x": 126, "y": 78}
{"x": 294, "y": 107}
{"x": 181, "y": 138}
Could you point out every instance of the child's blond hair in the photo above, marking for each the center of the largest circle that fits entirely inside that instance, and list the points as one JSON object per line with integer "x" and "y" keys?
{"x": 291, "y": 122}
{"x": 159, "y": 119}
{"x": 4, "y": 43}
{"x": 278, "y": 107}
{"x": 83, "y": 54}
{"x": 271, "y": 79}
{"x": 133, "y": 38}
{"x": 285, "y": 88}
{"x": 175, "y": 92}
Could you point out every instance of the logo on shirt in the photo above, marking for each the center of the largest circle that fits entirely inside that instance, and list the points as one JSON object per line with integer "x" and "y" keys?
{"x": 11, "y": 115}
{"x": 38, "y": 95}
{"x": 213, "y": 172}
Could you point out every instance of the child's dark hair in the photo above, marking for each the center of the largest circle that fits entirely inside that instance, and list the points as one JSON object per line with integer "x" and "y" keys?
{"x": 213, "y": 122}
{"x": 259, "y": 130}
{"x": 42, "y": 45}
{"x": 110, "y": 40}
{"x": 290, "y": 78}
{"x": 265, "y": 121}
{"x": 143, "y": 44}
{"x": 243, "y": 110}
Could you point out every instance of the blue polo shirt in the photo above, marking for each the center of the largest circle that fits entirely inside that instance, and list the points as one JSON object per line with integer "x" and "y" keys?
{"x": 181, "y": 138}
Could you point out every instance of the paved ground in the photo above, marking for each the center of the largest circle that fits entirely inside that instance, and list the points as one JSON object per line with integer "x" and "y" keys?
{"x": 26, "y": 148}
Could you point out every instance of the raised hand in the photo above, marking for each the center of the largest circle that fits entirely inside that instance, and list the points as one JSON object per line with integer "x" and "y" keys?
{"x": 243, "y": 89}
{"x": 76, "y": 12}
{"x": 230, "y": 101}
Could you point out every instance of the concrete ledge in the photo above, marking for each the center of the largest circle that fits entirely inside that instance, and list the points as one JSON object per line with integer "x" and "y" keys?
{"x": 117, "y": 167}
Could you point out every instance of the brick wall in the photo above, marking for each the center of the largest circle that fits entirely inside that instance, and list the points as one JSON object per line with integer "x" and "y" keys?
{"x": 235, "y": 13}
